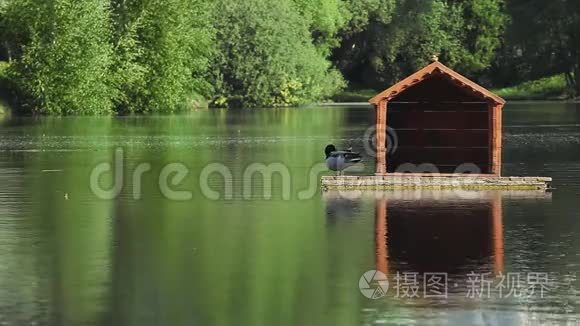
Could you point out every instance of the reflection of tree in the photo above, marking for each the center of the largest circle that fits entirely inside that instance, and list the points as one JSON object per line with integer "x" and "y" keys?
{"x": 156, "y": 261}
{"x": 62, "y": 247}
{"x": 228, "y": 262}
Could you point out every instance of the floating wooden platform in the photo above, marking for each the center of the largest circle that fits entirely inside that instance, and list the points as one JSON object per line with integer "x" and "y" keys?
{"x": 426, "y": 196}
{"x": 435, "y": 182}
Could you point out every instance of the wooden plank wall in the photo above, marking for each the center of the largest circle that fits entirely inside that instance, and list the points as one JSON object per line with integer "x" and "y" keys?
{"x": 443, "y": 134}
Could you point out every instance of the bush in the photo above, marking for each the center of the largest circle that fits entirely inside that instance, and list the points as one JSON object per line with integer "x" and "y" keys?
{"x": 4, "y": 110}
{"x": 3, "y": 74}
{"x": 355, "y": 95}
{"x": 5, "y": 87}
{"x": 554, "y": 87}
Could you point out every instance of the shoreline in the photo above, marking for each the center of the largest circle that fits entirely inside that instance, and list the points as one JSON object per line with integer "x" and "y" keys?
{"x": 366, "y": 104}
{"x": 5, "y": 110}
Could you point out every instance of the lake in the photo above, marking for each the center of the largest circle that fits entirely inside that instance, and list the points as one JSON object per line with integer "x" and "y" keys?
{"x": 184, "y": 233}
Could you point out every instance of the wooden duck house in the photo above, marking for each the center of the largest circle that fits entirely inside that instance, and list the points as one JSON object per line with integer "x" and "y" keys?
{"x": 437, "y": 129}
{"x": 440, "y": 118}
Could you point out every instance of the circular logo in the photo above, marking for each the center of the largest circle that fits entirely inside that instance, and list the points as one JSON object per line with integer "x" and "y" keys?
{"x": 373, "y": 284}
{"x": 370, "y": 141}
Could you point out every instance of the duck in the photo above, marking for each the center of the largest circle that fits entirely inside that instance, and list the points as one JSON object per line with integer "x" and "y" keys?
{"x": 340, "y": 160}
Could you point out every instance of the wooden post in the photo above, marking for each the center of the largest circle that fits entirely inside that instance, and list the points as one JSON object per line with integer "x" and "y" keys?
{"x": 495, "y": 138}
{"x": 381, "y": 129}
{"x": 381, "y": 233}
{"x": 499, "y": 138}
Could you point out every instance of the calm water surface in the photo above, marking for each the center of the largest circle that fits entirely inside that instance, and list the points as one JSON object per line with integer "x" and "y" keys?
{"x": 142, "y": 259}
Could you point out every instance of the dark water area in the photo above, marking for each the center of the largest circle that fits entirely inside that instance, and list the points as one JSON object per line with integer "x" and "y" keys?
{"x": 223, "y": 247}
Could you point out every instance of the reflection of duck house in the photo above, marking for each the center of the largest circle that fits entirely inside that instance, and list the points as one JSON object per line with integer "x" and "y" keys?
{"x": 441, "y": 126}
{"x": 419, "y": 233}
{"x": 443, "y": 231}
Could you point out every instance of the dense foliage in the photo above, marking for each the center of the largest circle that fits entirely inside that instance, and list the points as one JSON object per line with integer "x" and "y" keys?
{"x": 63, "y": 55}
{"x": 266, "y": 57}
{"x": 127, "y": 56}
{"x": 161, "y": 51}
{"x": 395, "y": 38}
{"x": 544, "y": 40}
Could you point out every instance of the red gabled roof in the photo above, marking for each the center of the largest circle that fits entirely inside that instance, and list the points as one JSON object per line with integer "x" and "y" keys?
{"x": 436, "y": 68}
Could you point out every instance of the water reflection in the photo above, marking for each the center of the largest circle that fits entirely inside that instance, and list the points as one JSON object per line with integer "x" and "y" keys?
{"x": 85, "y": 261}
{"x": 441, "y": 232}
{"x": 341, "y": 208}
{"x": 422, "y": 232}
{"x": 425, "y": 231}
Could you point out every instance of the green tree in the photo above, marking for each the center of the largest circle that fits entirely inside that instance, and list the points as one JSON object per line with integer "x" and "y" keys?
{"x": 62, "y": 58}
{"x": 3, "y": 41}
{"x": 393, "y": 38}
{"x": 325, "y": 19}
{"x": 484, "y": 27}
{"x": 7, "y": 37}
{"x": 363, "y": 13}
{"x": 266, "y": 56}
{"x": 361, "y": 41}
{"x": 162, "y": 51}
{"x": 543, "y": 39}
